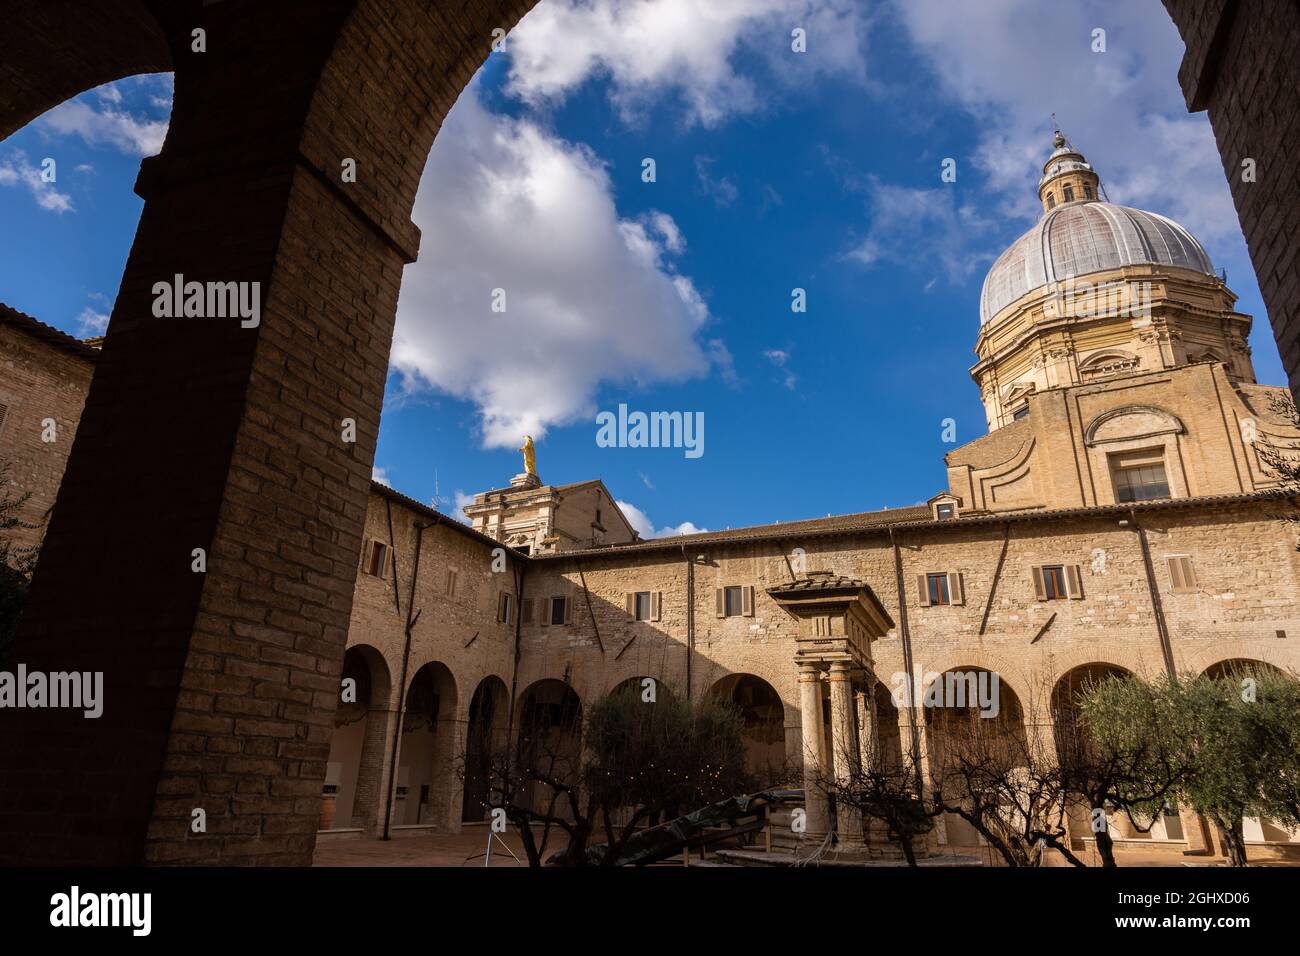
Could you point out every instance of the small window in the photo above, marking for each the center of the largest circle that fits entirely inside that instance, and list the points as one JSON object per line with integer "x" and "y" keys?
{"x": 1182, "y": 574}
{"x": 944, "y": 512}
{"x": 451, "y": 582}
{"x": 1051, "y": 200}
{"x": 1069, "y": 194}
{"x": 378, "y": 559}
{"x": 1054, "y": 582}
{"x": 559, "y": 607}
{"x": 1021, "y": 412}
{"x": 1141, "y": 482}
{"x": 735, "y": 601}
{"x": 597, "y": 516}
{"x": 1087, "y": 192}
{"x": 505, "y": 607}
{"x": 937, "y": 586}
{"x": 641, "y": 612}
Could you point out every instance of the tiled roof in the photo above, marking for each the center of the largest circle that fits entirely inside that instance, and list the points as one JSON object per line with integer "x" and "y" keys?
{"x": 47, "y": 333}
{"x": 916, "y": 517}
{"x": 440, "y": 518}
{"x": 827, "y": 582}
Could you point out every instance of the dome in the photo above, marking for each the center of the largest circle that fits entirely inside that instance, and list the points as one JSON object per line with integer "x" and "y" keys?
{"x": 1085, "y": 237}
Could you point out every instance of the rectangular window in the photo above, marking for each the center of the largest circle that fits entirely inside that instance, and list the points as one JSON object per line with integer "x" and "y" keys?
{"x": 559, "y": 610}
{"x": 1182, "y": 574}
{"x": 378, "y": 559}
{"x": 505, "y": 605}
{"x": 1020, "y": 412}
{"x": 641, "y": 610}
{"x": 451, "y": 582}
{"x": 1053, "y": 582}
{"x": 943, "y": 512}
{"x": 1141, "y": 482}
{"x": 1051, "y": 201}
{"x": 1087, "y": 191}
{"x": 1069, "y": 194}
{"x": 735, "y": 602}
{"x": 937, "y": 588}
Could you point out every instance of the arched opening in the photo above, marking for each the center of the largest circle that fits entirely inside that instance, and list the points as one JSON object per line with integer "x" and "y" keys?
{"x": 649, "y": 688}
{"x": 426, "y": 783}
{"x": 1067, "y": 695}
{"x": 352, "y": 774}
{"x": 1235, "y": 668}
{"x": 484, "y": 741}
{"x": 550, "y": 734}
{"x": 974, "y": 726}
{"x": 889, "y": 735}
{"x": 1254, "y": 830}
{"x": 763, "y": 714}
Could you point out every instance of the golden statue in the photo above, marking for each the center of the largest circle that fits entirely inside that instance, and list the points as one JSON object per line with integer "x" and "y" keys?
{"x": 530, "y": 456}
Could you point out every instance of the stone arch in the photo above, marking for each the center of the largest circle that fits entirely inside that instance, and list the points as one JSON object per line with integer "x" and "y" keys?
{"x": 662, "y": 690}
{"x": 550, "y": 732}
{"x": 1142, "y": 421}
{"x": 1262, "y": 650}
{"x": 330, "y": 81}
{"x": 1107, "y": 362}
{"x": 1234, "y": 667}
{"x": 427, "y": 789}
{"x": 485, "y": 741}
{"x": 763, "y": 712}
{"x": 356, "y": 769}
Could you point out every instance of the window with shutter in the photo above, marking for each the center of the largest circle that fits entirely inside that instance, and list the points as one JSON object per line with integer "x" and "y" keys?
{"x": 936, "y": 588}
{"x": 656, "y": 604}
{"x": 526, "y": 610}
{"x": 720, "y": 600}
{"x": 1182, "y": 574}
{"x": 747, "y": 600}
{"x": 733, "y": 601}
{"x": 377, "y": 560}
{"x": 923, "y": 589}
{"x": 568, "y": 610}
{"x": 1073, "y": 583}
{"x": 546, "y": 611}
{"x": 641, "y": 606}
{"x": 956, "y": 588}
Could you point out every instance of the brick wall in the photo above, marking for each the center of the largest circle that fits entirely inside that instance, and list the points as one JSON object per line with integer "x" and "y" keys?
{"x": 42, "y": 376}
{"x": 1241, "y": 66}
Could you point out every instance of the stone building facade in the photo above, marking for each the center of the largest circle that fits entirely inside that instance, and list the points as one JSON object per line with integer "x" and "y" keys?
{"x": 1117, "y": 517}
{"x": 44, "y": 376}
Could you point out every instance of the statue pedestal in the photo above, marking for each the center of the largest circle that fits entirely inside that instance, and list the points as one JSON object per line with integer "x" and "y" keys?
{"x": 526, "y": 480}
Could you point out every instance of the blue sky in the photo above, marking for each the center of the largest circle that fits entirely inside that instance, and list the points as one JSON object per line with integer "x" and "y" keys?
{"x": 775, "y": 170}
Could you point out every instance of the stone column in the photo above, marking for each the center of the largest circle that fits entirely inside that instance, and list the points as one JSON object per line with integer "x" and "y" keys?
{"x": 868, "y": 741}
{"x": 810, "y": 709}
{"x": 844, "y": 752}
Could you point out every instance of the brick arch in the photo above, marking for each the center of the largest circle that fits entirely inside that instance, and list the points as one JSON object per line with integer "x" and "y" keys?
{"x": 1261, "y": 650}
{"x": 285, "y": 92}
{"x": 96, "y": 43}
{"x": 1003, "y": 664}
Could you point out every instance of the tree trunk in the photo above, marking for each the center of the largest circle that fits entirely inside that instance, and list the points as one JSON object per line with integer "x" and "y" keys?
{"x": 1106, "y": 849}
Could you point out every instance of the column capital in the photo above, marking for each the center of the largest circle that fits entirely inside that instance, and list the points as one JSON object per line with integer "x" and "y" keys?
{"x": 842, "y": 670}
{"x": 809, "y": 671}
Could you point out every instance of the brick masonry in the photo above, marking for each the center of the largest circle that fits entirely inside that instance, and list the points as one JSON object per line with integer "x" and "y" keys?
{"x": 222, "y": 686}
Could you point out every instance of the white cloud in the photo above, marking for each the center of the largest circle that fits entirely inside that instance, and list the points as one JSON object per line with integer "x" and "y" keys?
{"x": 590, "y": 297}
{"x": 110, "y": 125}
{"x": 926, "y": 230}
{"x": 685, "y": 48}
{"x": 92, "y": 322}
{"x": 380, "y": 475}
{"x": 18, "y": 171}
{"x": 645, "y": 527}
{"x": 1011, "y": 63}
{"x": 720, "y": 189}
{"x": 781, "y": 359}
{"x": 458, "y": 511}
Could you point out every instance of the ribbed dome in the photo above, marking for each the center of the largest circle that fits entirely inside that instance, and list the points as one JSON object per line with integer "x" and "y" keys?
{"x": 1085, "y": 237}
